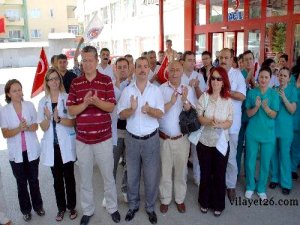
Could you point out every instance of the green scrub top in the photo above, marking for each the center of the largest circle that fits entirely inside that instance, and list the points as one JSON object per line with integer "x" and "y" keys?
{"x": 261, "y": 127}
{"x": 284, "y": 120}
{"x": 296, "y": 116}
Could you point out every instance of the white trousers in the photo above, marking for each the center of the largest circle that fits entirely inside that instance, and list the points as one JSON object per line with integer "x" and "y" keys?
{"x": 232, "y": 170}
{"x": 103, "y": 155}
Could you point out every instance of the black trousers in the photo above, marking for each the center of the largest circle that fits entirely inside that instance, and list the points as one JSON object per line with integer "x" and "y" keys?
{"x": 64, "y": 182}
{"x": 212, "y": 182}
{"x": 27, "y": 173}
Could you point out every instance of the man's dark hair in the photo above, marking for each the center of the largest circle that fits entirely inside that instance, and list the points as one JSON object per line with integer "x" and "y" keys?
{"x": 104, "y": 50}
{"x": 120, "y": 59}
{"x": 62, "y": 56}
{"x": 90, "y": 49}
{"x": 53, "y": 58}
{"x": 206, "y": 53}
{"x": 248, "y": 52}
{"x": 187, "y": 53}
{"x": 285, "y": 57}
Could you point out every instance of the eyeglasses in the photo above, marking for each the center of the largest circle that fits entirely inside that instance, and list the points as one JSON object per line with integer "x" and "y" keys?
{"x": 216, "y": 78}
{"x": 53, "y": 79}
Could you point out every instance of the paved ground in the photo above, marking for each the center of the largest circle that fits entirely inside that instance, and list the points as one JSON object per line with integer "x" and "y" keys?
{"x": 233, "y": 215}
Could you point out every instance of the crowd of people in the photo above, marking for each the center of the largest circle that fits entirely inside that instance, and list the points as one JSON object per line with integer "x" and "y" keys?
{"x": 104, "y": 113}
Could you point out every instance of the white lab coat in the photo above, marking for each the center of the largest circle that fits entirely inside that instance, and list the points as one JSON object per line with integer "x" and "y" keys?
{"x": 66, "y": 135}
{"x": 10, "y": 120}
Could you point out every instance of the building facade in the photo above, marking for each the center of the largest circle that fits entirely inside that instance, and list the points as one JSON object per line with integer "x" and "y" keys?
{"x": 266, "y": 27}
{"x": 33, "y": 20}
{"x": 132, "y": 26}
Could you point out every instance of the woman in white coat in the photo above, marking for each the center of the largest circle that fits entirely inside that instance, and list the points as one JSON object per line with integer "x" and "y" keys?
{"x": 19, "y": 125}
{"x": 58, "y": 143}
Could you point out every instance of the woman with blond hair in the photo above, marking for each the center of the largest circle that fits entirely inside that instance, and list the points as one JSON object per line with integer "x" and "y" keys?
{"x": 58, "y": 142}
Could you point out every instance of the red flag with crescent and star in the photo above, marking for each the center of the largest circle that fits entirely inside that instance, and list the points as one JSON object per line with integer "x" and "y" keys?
{"x": 40, "y": 73}
{"x": 162, "y": 74}
{"x": 2, "y": 25}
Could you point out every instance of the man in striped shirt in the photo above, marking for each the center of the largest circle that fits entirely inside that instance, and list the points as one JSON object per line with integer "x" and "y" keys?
{"x": 91, "y": 99}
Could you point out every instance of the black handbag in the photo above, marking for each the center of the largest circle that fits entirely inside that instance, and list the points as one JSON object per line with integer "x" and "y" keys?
{"x": 188, "y": 121}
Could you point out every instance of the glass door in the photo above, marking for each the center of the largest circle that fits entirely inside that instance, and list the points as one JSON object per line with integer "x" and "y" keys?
{"x": 233, "y": 40}
{"x": 217, "y": 43}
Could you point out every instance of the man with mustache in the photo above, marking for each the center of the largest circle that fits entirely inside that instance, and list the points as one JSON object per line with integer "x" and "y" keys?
{"x": 104, "y": 67}
{"x": 141, "y": 104}
{"x": 238, "y": 95}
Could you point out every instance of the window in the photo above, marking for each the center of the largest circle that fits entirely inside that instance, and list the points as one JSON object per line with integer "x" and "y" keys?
{"x": 35, "y": 13}
{"x": 216, "y": 11}
{"x": 296, "y": 6}
{"x": 51, "y": 13}
{"x": 254, "y": 9}
{"x": 200, "y": 44}
{"x": 297, "y": 42}
{"x": 115, "y": 11}
{"x": 201, "y": 12}
{"x": 129, "y": 8}
{"x": 14, "y": 34}
{"x": 74, "y": 29}
{"x": 276, "y": 7}
{"x": 70, "y": 11}
{"x": 12, "y": 14}
{"x": 104, "y": 15}
{"x": 35, "y": 33}
{"x": 235, "y": 10}
{"x": 254, "y": 42}
{"x": 275, "y": 39}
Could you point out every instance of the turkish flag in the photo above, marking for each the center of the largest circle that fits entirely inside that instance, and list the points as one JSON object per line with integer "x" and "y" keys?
{"x": 40, "y": 73}
{"x": 2, "y": 25}
{"x": 162, "y": 74}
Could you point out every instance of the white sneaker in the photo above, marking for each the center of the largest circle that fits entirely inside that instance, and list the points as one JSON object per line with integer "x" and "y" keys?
{"x": 262, "y": 196}
{"x": 104, "y": 203}
{"x": 125, "y": 197}
{"x": 248, "y": 194}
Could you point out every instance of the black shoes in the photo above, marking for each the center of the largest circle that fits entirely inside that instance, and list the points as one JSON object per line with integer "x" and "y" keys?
{"x": 294, "y": 176}
{"x": 152, "y": 217}
{"x": 285, "y": 191}
{"x": 130, "y": 214}
{"x": 273, "y": 185}
{"x": 85, "y": 220}
{"x": 116, "y": 217}
{"x": 41, "y": 212}
{"x": 27, "y": 217}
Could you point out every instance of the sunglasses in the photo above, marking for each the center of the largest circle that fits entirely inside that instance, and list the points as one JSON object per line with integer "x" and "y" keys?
{"x": 216, "y": 78}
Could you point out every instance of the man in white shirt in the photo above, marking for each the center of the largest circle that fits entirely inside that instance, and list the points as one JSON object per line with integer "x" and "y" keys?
{"x": 154, "y": 68}
{"x": 238, "y": 95}
{"x": 104, "y": 67}
{"x": 141, "y": 103}
{"x": 174, "y": 146}
{"x": 196, "y": 81}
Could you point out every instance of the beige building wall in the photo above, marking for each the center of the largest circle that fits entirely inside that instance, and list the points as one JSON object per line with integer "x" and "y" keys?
{"x": 43, "y": 17}
{"x": 12, "y": 10}
{"x": 51, "y": 17}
